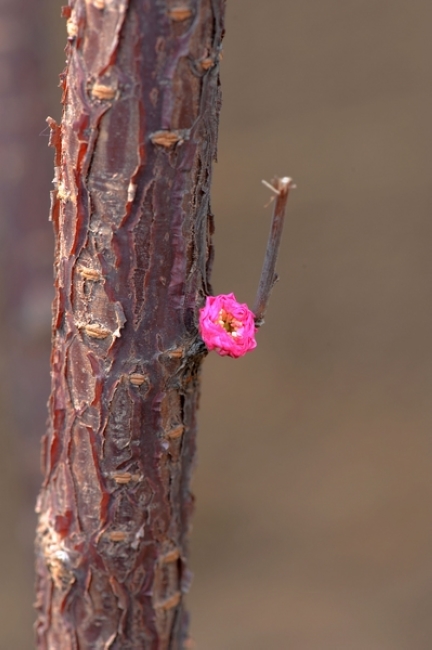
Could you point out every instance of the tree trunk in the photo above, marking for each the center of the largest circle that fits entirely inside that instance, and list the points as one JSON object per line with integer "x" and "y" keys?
{"x": 133, "y": 229}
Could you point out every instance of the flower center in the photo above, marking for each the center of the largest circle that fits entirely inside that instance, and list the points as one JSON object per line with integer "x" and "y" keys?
{"x": 229, "y": 323}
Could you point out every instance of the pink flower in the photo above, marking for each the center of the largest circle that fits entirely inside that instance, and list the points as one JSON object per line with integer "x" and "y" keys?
{"x": 227, "y": 326}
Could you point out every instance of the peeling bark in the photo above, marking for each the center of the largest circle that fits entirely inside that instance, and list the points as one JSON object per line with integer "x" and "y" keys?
{"x": 133, "y": 227}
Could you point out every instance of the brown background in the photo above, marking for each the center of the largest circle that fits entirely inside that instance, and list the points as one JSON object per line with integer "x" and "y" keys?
{"x": 314, "y": 488}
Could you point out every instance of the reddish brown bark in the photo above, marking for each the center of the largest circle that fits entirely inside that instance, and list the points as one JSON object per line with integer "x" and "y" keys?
{"x": 133, "y": 226}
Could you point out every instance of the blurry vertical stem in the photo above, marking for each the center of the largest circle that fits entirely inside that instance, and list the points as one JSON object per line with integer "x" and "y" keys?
{"x": 133, "y": 225}
{"x": 281, "y": 187}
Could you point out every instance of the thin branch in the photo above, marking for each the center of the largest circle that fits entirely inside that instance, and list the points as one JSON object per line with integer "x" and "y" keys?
{"x": 281, "y": 187}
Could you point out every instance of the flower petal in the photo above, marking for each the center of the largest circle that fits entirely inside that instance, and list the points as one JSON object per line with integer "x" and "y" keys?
{"x": 238, "y": 337}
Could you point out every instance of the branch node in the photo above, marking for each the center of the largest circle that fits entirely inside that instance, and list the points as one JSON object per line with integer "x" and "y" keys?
{"x": 166, "y": 138}
{"x": 123, "y": 478}
{"x": 176, "y": 353}
{"x": 103, "y": 91}
{"x": 89, "y": 274}
{"x": 137, "y": 379}
{"x": 71, "y": 28}
{"x": 207, "y": 63}
{"x": 117, "y": 536}
{"x": 96, "y": 330}
{"x": 180, "y": 13}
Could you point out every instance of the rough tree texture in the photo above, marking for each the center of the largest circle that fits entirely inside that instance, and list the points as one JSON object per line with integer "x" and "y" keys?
{"x": 133, "y": 225}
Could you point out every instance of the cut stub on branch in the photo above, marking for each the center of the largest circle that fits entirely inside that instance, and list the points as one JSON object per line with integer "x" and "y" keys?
{"x": 133, "y": 224}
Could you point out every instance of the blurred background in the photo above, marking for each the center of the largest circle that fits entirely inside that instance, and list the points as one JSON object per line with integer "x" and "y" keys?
{"x": 314, "y": 484}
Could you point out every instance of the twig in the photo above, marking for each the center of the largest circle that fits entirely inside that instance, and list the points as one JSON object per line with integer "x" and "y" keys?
{"x": 281, "y": 187}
